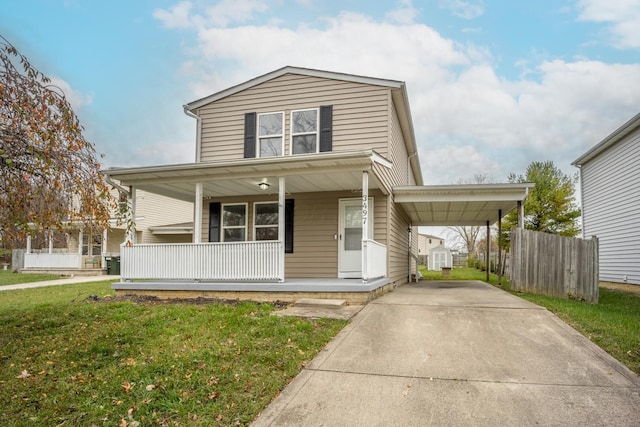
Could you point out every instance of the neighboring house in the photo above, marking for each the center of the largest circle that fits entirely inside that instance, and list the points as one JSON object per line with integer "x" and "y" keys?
{"x": 610, "y": 191}
{"x": 84, "y": 251}
{"x": 439, "y": 257}
{"x": 305, "y": 182}
{"x": 425, "y": 243}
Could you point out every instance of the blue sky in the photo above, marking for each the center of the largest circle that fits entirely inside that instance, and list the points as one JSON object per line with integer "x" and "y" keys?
{"x": 493, "y": 85}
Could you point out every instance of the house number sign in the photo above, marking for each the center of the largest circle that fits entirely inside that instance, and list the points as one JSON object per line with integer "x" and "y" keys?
{"x": 365, "y": 209}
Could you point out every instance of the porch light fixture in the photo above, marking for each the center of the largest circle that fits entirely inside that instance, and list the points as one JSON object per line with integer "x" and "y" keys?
{"x": 263, "y": 186}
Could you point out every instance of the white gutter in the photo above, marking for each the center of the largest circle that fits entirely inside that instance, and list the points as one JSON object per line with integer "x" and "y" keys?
{"x": 189, "y": 113}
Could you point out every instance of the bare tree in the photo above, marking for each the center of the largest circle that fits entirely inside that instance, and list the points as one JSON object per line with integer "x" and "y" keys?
{"x": 470, "y": 234}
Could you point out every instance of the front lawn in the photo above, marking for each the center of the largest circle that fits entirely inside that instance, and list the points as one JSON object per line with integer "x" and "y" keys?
{"x": 72, "y": 355}
{"x": 9, "y": 278}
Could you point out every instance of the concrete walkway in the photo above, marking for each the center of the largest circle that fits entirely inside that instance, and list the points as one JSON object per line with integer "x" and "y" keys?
{"x": 458, "y": 354}
{"x": 57, "y": 282}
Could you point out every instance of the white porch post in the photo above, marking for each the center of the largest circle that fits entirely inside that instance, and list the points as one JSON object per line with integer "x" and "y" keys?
{"x": 132, "y": 215}
{"x": 365, "y": 223}
{"x": 281, "y": 222}
{"x": 104, "y": 248}
{"x": 197, "y": 214}
{"x": 50, "y": 236}
{"x": 80, "y": 242}
{"x": 28, "y": 243}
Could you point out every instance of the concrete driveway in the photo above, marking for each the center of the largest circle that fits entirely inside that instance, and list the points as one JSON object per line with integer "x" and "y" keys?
{"x": 458, "y": 354}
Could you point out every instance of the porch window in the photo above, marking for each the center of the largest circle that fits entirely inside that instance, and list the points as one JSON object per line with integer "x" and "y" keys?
{"x": 91, "y": 244}
{"x": 234, "y": 222}
{"x": 270, "y": 134}
{"x": 304, "y": 131}
{"x": 266, "y": 221}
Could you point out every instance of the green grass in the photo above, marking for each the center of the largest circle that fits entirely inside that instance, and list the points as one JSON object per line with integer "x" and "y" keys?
{"x": 613, "y": 324}
{"x": 66, "y": 359}
{"x": 9, "y": 278}
{"x": 462, "y": 273}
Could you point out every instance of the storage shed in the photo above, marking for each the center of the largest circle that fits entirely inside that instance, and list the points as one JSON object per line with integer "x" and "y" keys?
{"x": 440, "y": 257}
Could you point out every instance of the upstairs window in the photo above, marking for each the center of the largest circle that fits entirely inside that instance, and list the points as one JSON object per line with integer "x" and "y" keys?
{"x": 310, "y": 131}
{"x": 304, "y": 131}
{"x": 270, "y": 134}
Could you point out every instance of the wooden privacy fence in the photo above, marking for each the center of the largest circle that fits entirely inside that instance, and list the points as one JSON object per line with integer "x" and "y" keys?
{"x": 547, "y": 264}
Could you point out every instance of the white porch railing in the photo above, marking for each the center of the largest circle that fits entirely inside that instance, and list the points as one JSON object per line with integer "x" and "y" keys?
{"x": 203, "y": 261}
{"x": 374, "y": 260}
{"x": 53, "y": 260}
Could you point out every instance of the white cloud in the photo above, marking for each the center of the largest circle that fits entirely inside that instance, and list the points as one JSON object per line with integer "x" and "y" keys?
{"x": 76, "y": 98}
{"x": 176, "y": 17}
{"x": 404, "y": 14}
{"x": 221, "y": 14}
{"x": 622, "y": 15}
{"x": 464, "y": 114}
{"x": 463, "y": 9}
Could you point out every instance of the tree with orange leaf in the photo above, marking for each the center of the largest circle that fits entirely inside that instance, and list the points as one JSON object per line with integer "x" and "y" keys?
{"x": 49, "y": 173}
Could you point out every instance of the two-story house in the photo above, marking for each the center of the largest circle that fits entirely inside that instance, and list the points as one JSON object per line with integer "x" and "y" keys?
{"x": 305, "y": 181}
{"x": 609, "y": 182}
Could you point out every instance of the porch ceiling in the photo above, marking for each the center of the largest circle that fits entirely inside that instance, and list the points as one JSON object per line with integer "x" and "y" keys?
{"x": 311, "y": 173}
{"x": 458, "y": 205}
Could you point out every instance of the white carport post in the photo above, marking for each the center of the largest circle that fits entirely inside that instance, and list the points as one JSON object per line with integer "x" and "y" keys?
{"x": 281, "y": 222}
{"x": 105, "y": 245}
{"x": 28, "y": 243}
{"x": 50, "y": 237}
{"x": 520, "y": 214}
{"x": 197, "y": 214}
{"x": 80, "y": 237}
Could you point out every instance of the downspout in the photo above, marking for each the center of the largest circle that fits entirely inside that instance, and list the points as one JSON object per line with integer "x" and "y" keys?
{"x": 189, "y": 113}
{"x": 409, "y": 167}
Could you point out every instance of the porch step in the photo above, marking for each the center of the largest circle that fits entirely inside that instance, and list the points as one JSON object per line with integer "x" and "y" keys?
{"x": 320, "y": 303}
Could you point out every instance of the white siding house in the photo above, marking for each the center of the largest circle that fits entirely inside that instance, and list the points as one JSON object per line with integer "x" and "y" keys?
{"x": 610, "y": 186}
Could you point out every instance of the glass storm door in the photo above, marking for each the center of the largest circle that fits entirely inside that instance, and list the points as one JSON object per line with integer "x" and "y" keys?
{"x": 350, "y": 237}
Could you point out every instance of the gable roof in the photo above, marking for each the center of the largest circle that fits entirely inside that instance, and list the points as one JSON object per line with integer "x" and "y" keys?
{"x": 613, "y": 138}
{"x": 398, "y": 94}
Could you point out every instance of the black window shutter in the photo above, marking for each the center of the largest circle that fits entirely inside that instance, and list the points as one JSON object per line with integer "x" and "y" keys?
{"x": 214, "y": 222}
{"x": 249, "y": 135}
{"x": 326, "y": 128}
{"x": 288, "y": 226}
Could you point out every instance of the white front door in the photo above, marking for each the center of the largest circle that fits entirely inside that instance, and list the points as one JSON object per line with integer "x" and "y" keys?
{"x": 350, "y": 237}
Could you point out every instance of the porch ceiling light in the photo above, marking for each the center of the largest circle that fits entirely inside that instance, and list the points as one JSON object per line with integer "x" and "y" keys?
{"x": 263, "y": 186}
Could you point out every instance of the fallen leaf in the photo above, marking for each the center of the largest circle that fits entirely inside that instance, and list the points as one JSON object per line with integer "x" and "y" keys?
{"x": 150, "y": 387}
{"x": 24, "y": 374}
{"x": 127, "y": 386}
{"x": 123, "y": 423}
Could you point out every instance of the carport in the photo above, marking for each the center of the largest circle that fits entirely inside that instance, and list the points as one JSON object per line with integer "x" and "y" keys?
{"x": 463, "y": 205}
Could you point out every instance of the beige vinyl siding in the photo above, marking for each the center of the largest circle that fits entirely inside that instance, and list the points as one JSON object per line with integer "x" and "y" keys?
{"x": 315, "y": 225}
{"x": 397, "y": 248}
{"x": 159, "y": 210}
{"x": 360, "y": 114}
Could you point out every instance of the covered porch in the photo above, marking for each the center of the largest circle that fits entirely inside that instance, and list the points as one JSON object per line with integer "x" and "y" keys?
{"x": 253, "y": 265}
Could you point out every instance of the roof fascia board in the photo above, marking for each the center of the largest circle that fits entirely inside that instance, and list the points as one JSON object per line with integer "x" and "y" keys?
{"x": 291, "y": 70}
{"x": 610, "y": 140}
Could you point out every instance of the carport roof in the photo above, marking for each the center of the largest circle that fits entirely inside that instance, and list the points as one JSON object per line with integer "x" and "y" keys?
{"x": 458, "y": 205}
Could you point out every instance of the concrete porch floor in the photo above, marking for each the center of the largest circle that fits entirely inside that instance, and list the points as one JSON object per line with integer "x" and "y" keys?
{"x": 292, "y": 289}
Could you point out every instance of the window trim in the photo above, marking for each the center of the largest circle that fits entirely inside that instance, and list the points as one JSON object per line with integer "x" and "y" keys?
{"x": 222, "y": 226}
{"x": 259, "y": 138}
{"x": 316, "y": 133}
{"x": 255, "y": 226}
